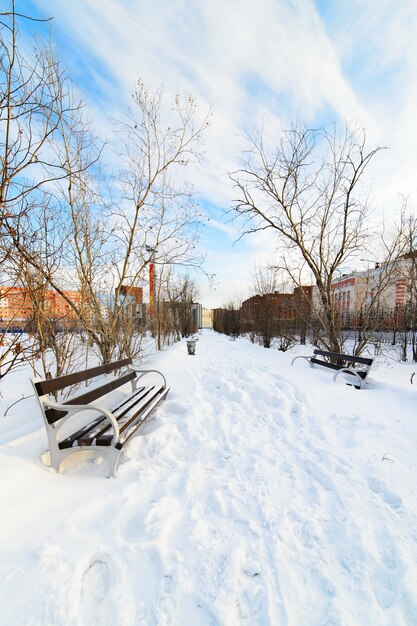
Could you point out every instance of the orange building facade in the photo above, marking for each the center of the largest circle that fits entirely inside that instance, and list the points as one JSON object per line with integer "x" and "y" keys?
{"x": 136, "y": 293}
{"x": 15, "y": 304}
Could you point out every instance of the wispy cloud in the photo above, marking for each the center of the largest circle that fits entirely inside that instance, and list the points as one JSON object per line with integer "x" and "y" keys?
{"x": 270, "y": 59}
{"x": 243, "y": 58}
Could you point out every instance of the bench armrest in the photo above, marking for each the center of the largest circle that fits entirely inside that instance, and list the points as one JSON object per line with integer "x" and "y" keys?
{"x": 73, "y": 409}
{"x": 307, "y": 358}
{"x": 352, "y": 371}
{"x": 142, "y": 372}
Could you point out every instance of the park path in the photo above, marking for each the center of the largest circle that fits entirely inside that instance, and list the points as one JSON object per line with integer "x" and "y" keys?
{"x": 252, "y": 497}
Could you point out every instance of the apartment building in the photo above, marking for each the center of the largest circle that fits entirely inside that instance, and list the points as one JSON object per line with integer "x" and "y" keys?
{"x": 391, "y": 285}
{"x": 16, "y": 305}
{"x": 289, "y": 306}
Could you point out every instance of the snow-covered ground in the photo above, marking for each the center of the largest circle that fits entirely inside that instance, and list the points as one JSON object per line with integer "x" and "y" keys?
{"x": 259, "y": 494}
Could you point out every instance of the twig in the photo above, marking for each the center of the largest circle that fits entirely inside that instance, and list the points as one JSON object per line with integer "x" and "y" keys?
{"x": 411, "y": 378}
{"x": 20, "y": 399}
{"x": 386, "y": 458}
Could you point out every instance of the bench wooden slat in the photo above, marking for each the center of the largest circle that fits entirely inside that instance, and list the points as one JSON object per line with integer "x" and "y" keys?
{"x": 334, "y": 366}
{"x": 68, "y": 442}
{"x": 104, "y": 436}
{"x": 131, "y": 427}
{"x": 105, "y": 426}
{"x": 53, "y": 415}
{"x": 98, "y": 392}
{"x": 128, "y": 400}
{"x": 132, "y": 423}
{"x": 344, "y": 357}
{"x": 44, "y": 387}
{"x": 156, "y": 392}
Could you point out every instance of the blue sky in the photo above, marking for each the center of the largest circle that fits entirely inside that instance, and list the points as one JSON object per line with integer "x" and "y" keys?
{"x": 270, "y": 60}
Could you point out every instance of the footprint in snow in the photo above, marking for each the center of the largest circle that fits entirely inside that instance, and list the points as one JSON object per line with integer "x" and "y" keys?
{"x": 385, "y": 584}
{"x": 389, "y": 497}
{"x": 252, "y": 567}
{"x": 95, "y": 594}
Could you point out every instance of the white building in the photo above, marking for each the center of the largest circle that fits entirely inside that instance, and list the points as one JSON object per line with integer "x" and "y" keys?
{"x": 392, "y": 285}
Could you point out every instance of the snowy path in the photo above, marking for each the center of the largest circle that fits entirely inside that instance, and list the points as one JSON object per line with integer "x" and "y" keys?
{"x": 258, "y": 496}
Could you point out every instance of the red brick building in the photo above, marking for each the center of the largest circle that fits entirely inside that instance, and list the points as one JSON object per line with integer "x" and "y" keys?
{"x": 15, "y": 304}
{"x": 281, "y": 306}
{"x": 133, "y": 292}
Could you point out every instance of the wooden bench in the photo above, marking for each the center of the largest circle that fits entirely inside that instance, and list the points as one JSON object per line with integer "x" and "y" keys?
{"x": 340, "y": 362}
{"x": 104, "y": 430}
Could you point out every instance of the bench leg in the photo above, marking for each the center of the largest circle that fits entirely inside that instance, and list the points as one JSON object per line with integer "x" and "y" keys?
{"x": 360, "y": 382}
{"x": 112, "y": 456}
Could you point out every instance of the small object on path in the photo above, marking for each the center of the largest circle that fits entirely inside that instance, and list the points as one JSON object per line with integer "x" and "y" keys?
{"x": 191, "y": 346}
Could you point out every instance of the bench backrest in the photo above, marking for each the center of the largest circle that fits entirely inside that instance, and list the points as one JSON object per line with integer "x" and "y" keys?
{"x": 335, "y": 356}
{"x": 52, "y": 385}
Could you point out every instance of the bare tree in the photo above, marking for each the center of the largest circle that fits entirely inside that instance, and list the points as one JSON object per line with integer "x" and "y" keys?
{"x": 407, "y": 273}
{"x": 160, "y": 213}
{"x": 308, "y": 191}
{"x": 56, "y": 346}
{"x": 53, "y": 325}
{"x": 376, "y": 288}
{"x": 155, "y": 219}
{"x": 412, "y": 281}
{"x": 35, "y": 103}
{"x": 182, "y": 294}
{"x": 265, "y": 285}
{"x": 13, "y": 345}
{"x": 228, "y": 320}
{"x": 47, "y": 150}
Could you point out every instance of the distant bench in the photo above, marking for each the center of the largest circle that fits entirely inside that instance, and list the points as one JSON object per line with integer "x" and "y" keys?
{"x": 107, "y": 432}
{"x": 340, "y": 362}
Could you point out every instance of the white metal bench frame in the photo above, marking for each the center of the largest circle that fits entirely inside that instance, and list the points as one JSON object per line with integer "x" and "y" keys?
{"x": 351, "y": 371}
{"x": 111, "y": 452}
